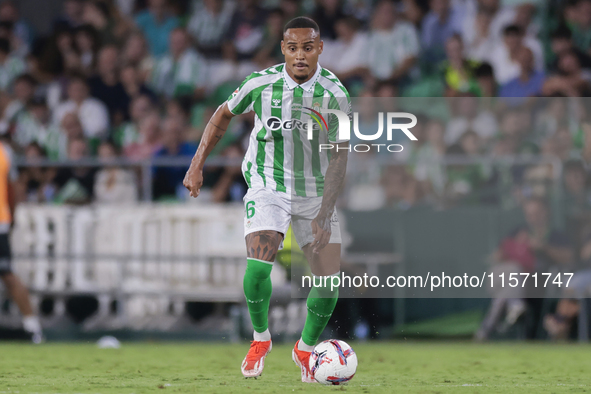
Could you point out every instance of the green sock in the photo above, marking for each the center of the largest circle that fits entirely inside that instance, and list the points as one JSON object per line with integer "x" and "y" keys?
{"x": 321, "y": 303}
{"x": 257, "y": 290}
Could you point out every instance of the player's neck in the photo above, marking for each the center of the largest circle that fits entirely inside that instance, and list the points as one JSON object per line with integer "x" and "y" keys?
{"x": 299, "y": 81}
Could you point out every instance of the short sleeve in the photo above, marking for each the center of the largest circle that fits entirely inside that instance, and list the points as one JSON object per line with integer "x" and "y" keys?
{"x": 343, "y": 104}
{"x": 241, "y": 100}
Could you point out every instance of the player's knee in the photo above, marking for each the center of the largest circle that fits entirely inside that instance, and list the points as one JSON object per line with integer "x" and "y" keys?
{"x": 258, "y": 269}
{"x": 263, "y": 245}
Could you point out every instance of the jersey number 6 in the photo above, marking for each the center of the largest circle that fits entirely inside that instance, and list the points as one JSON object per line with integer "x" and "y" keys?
{"x": 249, "y": 209}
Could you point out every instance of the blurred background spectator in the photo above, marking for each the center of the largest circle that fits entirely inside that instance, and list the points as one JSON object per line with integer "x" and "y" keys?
{"x": 114, "y": 184}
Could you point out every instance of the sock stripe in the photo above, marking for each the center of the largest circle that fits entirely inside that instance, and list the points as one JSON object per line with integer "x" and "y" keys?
{"x": 262, "y": 261}
{"x": 318, "y": 314}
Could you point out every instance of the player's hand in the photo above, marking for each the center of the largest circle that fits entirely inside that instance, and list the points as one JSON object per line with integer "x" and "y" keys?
{"x": 321, "y": 232}
{"x": 193, "y": 180}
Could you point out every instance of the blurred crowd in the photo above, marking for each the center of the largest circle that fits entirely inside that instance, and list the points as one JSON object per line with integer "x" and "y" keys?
{"x": 139, "y": 79}
{"x": 130, "y": 80}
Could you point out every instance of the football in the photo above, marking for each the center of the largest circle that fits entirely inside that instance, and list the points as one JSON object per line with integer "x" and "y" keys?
{"x": 333, "y": 362}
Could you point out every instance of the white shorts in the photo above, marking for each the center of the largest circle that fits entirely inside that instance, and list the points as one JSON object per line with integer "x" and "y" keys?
{"x": 267, "y": 209}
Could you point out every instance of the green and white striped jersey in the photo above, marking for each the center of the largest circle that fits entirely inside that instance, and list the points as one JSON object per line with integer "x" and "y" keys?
{"x": 280, "y": 156}
{"x": 12, "y": 68}
{"x": 175, "y": 78}
{"x": 49, "y": 136}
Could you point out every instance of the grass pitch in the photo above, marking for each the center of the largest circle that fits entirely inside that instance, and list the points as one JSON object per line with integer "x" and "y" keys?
{"x": 384, "y": 367}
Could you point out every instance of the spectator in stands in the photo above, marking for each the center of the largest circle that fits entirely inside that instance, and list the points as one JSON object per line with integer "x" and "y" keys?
{"x": 182, "y": 71}
{"x": 485, "y": 77}
{"x": 347, "y": 55}
{"x": 22, "y": 33}
{"x": 471, "y": 144}
{"x": 247, "y": 29}
{"x": 208, "y": 25}
{"x": 465, "y": 181}
{"x": 133, "y": 83}
{"x": 528, "y": 84}
{"x": 414, "y": 11}
{"x": 577, "y": 194}
{"x": 149, "y": 141}
{"x": 515, "y": 125}
{"x": 466, "y": 116}
{"x": 75, "y": 184}
{"x": 180, "y": 109}
{"x": 485, "y": 21}
{"x": 326, "y": 14}
{"x": 135, "y": 53}
{"x": 33, "y": 125}
{"x": 107, "y": 87}
{"x": 168, "y": 181}
{"x": 560, "y": 145}
{"x": 270, "y": 52}
{"x": 367, "y": 119}
{"x": 72, "y": 15}
{"x": 34, "y": 183}
{"x": 87, "y": 45}
{"x": 560, "y": 323}
{"x": 477, "y": 36}
{"x": 571, "y": 80}
{"x": 562, "y": 43}
{"x": 428, "y": 166}
{"x": 128, "y": 132}
{"x": 290, "y": 9}
{"x": 524, "y": 17}
{"x": 97, "y": 14}
{"x": 411, "y": 148}
{"x": 24, "y": 89}
{"x": 505, "y": 56}
{"x": 579, "y": 22}
{"x": 483, "y": 26}
{"x": 364, "y": 190}
{"x": 438, "y": 26}
{"x": 114, "y": 185}
{"x": 533, "y": 247}
{"x": 393, "y": 45}
{"x": 550, "y": 118}
{"x": 10, "y": 66}
{"x": 70, "y": 129}
{"x": 551, "y": 247}
{"x": 458, "y": 72}
{"x": 59, "y": 56}
{"x": 156, "y": 24}
{"x": 92, "y": 113}
{"x": 401, "y": 189}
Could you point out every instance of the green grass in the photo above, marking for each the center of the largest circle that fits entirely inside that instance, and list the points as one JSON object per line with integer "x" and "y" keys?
{"x": 384, "y": 367}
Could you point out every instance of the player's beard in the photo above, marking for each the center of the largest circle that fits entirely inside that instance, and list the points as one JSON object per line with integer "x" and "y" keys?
{"x": 301, "y": 78}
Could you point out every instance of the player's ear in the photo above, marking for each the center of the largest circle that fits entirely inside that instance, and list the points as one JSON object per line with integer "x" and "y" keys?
{"x": 320, "y": 47}
{"x": 282, "y": 48}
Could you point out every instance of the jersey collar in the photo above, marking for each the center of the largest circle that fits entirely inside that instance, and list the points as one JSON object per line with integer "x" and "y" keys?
{"x": 307, "y": 86}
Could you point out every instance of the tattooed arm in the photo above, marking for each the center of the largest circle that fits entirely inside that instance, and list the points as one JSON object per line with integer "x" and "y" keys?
{"x": 213, "y": 133}
{"x": 333, "y": 184}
